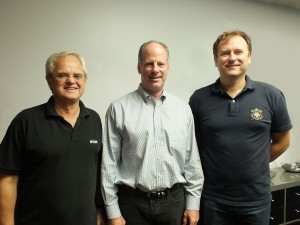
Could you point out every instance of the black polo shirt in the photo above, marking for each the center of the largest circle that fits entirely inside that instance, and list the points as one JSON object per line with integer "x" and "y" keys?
{"x": 57, "y": 165}
{"x": 234, "y": 138}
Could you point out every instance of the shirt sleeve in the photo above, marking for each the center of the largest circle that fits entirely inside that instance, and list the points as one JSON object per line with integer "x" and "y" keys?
{"x": 110, "y": 158}
{"x": 281, "y": 120}
{"x": 193, "y": 169}
{"x": 11, "y": 160}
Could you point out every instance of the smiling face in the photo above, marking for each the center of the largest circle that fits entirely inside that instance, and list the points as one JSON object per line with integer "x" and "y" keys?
{"x": 233, "y": 57}
{"x": 64, "y": 86}
{"x": 154, "y": 68}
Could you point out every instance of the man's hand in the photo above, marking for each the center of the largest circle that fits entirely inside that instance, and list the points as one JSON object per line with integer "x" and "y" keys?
{"x": 101, "y": 218}
{"x": 190, "y": 217}
{"x": 117, "y": 221}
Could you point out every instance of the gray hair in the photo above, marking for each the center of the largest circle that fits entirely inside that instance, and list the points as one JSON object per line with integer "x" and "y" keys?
{"x": 52, "y": 60}
{"x": 141, "y": 50}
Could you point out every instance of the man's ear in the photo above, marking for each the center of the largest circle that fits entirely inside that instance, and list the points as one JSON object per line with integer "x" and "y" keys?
{"x": 138, "y": 68}
{"x": 49, "y": 83}
{"x": 249, "y": 59}
{"x": 215, "y": 59}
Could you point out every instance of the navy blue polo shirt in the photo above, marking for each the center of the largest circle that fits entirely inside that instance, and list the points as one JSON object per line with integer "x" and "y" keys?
{"x": 234, "y": 138}
{"x": 57, "y": 165}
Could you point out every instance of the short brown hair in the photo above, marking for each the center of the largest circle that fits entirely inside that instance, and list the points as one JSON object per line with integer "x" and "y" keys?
{"x": 228, "y": 34}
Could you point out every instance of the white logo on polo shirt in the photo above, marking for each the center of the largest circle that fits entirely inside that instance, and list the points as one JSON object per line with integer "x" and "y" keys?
{"x": 256, "y": 114}
{"x": 93, "y": 142}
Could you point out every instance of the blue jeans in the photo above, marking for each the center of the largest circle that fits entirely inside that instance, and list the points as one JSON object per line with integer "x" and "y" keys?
{"x": 212, "y": 213}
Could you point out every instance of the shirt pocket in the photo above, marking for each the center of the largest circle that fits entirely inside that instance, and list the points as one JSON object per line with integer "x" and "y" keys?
{"x": 177, "y": 138}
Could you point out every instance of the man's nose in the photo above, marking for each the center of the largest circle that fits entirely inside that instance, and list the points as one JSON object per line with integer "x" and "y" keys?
{"x": 232, "y": 57}
{"x": 70, "y": 78}
{"x": 155, "y": 67}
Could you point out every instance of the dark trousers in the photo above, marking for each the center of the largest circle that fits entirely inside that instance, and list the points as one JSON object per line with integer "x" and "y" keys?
{"x": 138, "y": 208}
{"x": 212, "y": 213}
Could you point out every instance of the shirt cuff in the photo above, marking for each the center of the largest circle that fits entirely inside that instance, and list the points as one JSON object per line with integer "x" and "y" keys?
{"x": 113, "y": 211}
{"x": 192, "y": 203}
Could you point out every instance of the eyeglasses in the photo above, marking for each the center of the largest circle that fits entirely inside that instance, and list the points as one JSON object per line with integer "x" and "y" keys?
{"x": 65, "y": 76}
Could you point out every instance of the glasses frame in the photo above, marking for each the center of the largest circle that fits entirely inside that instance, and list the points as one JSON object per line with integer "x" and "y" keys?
{"x": 62, "y": 76}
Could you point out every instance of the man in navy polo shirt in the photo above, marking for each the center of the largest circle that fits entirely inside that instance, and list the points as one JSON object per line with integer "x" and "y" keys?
{"x": 241, "y": 125}
{"x": 49, "y": 155}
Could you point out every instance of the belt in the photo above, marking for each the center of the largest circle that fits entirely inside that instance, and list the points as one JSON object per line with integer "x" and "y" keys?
{"x": 152, "y": 195}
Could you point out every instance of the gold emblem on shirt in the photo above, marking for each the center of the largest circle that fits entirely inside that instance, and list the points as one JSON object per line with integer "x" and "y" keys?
{"x": 256, "y": 114}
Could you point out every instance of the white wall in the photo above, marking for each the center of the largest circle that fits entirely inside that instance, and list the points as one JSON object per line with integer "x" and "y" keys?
{"x": 109, "y": 33}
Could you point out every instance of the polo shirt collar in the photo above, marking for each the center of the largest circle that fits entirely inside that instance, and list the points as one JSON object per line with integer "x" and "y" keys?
{"x": 218, "y": 88}
{"x": 50, "y": 110}
{"x": 146, "y": 97}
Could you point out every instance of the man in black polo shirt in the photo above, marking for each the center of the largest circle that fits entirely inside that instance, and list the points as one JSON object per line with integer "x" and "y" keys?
{"x": 241, "y": 125}
{"x": 49, "y": 155}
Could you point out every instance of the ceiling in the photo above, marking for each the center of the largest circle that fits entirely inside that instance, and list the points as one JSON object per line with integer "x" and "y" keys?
{"x": 289, "y": 3}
